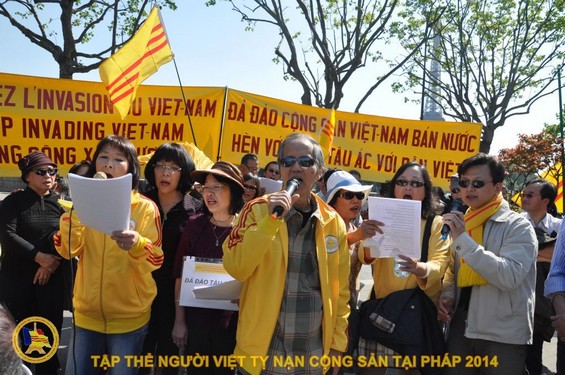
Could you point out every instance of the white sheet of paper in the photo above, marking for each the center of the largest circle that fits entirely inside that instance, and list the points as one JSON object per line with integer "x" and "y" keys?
{"x": 229, "y": 291}
{"x": 199, "y": 272}
{"x": 402, "y": 219}
{"x": 269, "y": 185}
{"x": 102, "y": 204}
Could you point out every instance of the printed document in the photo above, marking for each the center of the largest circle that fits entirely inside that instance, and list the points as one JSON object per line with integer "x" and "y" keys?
{"x": 402, "y": 219}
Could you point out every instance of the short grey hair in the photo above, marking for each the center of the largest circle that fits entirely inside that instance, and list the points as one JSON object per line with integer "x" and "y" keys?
{"x": 316, "y": 149}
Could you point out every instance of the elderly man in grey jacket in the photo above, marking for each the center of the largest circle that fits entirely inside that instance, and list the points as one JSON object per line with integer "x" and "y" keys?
{"x": 489, "y": 292}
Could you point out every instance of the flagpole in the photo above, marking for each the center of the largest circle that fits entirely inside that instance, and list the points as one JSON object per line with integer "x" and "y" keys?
{"x": 185, "y": 103}
{"x": 561, "y": 131}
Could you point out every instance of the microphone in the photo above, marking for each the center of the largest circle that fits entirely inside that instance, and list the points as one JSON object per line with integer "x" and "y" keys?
{"x": 456, "y": 206}
{"x": 291, "y": 186}
{"x": 100, "y": 176}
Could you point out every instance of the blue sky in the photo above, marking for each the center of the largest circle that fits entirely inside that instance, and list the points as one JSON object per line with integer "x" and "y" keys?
{"x": 212, "y": 49}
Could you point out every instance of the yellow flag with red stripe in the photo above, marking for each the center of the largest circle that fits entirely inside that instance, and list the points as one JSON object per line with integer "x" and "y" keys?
{"x": 123, "y": 72}
{"x": 326, "y": 137}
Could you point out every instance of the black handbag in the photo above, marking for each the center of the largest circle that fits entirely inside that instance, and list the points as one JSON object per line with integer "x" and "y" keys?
{"x": 404, "y": 321}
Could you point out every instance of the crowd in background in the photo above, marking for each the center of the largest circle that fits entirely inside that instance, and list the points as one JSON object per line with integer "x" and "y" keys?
{"x": 298, "y": 255}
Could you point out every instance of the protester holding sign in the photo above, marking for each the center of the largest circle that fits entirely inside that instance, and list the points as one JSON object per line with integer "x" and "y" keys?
{"x": 114, "y": 288}
{"x": 205, "y": 331}
{"x": 411, "y": 181}
{"x": 31, "y": 273}
{"x": 168, "y": 173}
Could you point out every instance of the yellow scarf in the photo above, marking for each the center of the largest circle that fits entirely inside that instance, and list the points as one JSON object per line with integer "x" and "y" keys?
{"x": 475, "y": 223}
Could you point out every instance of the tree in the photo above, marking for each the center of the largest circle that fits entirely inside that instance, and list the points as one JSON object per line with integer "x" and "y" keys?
{"x": 498, "y": 58}
{"x": 533, "y": 156}
{"x": 322, "y": 44}
{"x": 76, "y": 25}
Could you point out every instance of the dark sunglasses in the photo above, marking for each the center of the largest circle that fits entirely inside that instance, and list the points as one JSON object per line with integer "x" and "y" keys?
{"x": 477, "y": 184}
{"x": 250, "y": 187}
{"x": 455, "y": 190}
{"x": 348, "y": 195}
{"x": 414, "y": 183}
{"x": 273, "y": 171}
{"x": 43, "y": 171}
{"x": 303, "y": 161}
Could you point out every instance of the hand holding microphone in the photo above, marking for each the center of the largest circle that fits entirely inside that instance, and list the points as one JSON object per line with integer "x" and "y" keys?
{"x": 456, "y": 206}
{"x": 291, "y": 187}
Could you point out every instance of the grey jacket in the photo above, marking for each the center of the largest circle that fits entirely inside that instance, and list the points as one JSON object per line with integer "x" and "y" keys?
{"x": 503, "y": 310}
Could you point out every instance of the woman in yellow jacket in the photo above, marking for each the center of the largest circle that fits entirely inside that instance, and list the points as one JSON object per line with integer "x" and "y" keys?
{"x": 413, "y": 182}
{"x": 114, "y": 288}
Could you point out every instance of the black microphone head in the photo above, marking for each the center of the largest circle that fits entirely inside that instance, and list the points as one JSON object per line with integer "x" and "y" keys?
{"x": 458, "y": 206}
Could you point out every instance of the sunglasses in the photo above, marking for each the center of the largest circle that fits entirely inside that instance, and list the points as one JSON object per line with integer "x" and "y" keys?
{"x": 527, "y": 195}
{"x": 303, "y": 161}
{"x": 43, "y": 171}
{"x": 273, "y": 171}
{"x": 477, "y": 184}
{"x": 455, "y": 190}
{"x": 250, "y": 187}
{"x": 414, "y": 183}
{"x": 348, "y": 195}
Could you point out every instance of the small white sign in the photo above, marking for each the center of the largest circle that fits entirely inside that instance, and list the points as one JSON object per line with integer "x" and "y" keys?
{"x": 202, "y": 273}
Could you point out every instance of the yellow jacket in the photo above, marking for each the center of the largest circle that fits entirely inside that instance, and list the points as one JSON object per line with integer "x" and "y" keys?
{"x": 256, "y": 253}
{"x": 114, "y": 288}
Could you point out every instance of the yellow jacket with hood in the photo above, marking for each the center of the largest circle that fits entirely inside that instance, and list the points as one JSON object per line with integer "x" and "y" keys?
{"x": 114, "y": 288}
{"x": 256, "y": 253}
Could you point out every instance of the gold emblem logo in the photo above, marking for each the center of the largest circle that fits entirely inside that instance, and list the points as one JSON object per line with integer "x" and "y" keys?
{"x": 35, "y": 339}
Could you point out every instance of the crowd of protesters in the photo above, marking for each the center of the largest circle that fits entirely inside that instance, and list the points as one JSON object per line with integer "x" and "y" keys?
{"x": 492, "y": 279}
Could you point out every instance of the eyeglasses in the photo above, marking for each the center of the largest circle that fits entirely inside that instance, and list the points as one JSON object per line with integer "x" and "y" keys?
{"x": 167, "y": 168}
{"x": 303, "y": 161}
{"x": 527, "y": 195}
{"x": 414, "y": 183}
{"x": 251, "y": 167}
{"x": 348, "y": 195}
{"x": 212, "y": 189}
{"x": 477, "y": 184}
{"x": 273, "y": 171}
{"x": 455, "y": 190}
{"x": 250, "y": 187}
{"x": 43, "y": 171}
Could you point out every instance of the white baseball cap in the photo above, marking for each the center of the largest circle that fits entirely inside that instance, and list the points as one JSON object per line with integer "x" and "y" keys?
{"x": 342, "y": 180}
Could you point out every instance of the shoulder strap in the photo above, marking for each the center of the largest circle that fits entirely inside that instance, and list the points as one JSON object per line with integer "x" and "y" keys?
{"x": 426, "y": 239}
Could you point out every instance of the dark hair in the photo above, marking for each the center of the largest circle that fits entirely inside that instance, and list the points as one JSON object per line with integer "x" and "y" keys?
{"x": 354, "y": 172}
{"x": 547, "y": 191}
{"x": 245, "y": 158}
{"x": 328, "y": 174}
{"x": 174, "y": 153}
{"x": 269, "y": 164}
{"x": 429, "y": 205}
{"x": 256, "y": 181}
{"x": 496, "y": 168}
{"x": 236, "y": 197}
{"x": 438, "y": 190}
{"x": 75, "y": 168}
{"x": 127, "y": 148}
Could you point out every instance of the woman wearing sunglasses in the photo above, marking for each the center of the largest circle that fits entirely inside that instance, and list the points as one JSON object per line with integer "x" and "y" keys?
{"x": 411, "y": 181}
{"x": 251, "y": 187}
{"x": 32, "y": 273}
{"x": 347, "y": 196}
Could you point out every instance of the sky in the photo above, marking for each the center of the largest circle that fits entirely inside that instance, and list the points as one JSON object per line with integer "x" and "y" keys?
{"x": 212, "y": 48}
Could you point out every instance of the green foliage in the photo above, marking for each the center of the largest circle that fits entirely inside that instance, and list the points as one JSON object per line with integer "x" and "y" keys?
{"x": 497, "y": 58}
{"x": 68, "y": 38}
